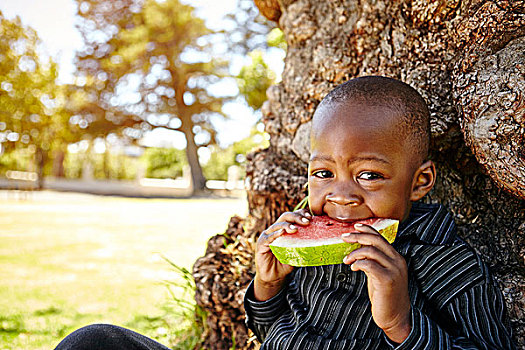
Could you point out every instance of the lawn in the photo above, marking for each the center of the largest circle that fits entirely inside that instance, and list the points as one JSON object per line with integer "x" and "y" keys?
{"x": 68, "y": 260}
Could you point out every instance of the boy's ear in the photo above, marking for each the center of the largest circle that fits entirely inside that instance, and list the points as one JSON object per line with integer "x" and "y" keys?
{"x": 424, "y": 179}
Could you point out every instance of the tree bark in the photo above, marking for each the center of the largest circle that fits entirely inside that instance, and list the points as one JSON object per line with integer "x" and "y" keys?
{"x": 198, "y": 181}
{"x": 40, "y": 160}
{"x": 465, "y": 58}
{"x": 58, "y": 163}
{"x": 197, "y": 177}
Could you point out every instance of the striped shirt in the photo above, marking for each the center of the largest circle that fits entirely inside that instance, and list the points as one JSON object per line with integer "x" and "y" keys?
{"x": 455, "y": 302}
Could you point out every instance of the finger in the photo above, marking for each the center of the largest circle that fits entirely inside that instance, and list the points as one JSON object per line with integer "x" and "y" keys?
{"x": 370, "y": 268}
{"x": 275, "y": 227}
{"x": 371, "y": 239}
{"x": 359, "y": 227}
{"x": 296, "y": 217}
{"x": 305, "y": 212}
{"x": 364, "y": 238}
{"x": 363, "y": 229}
{"x": 265, "y": 239}
{"x": 287, "y": 226}
{"x": 275, "y": 231}
{"x": 270, "y": 234}
{"x": 306, "y": 216}
{"x": 369, "y": 253}
{"x": 279, "y": 226}
{"x": 377, "y": 273}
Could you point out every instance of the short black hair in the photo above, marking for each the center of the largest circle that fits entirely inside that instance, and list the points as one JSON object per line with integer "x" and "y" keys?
{"x": 400, "y": 97}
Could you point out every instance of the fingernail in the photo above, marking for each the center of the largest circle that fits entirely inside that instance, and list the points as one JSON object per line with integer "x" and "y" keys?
{"x": 308, "y": 214}
{"x": 305, "y": 220}
{"x": 346, "y": 234}
{"x": 358, "y": 225}
{"x": 292, "y": 227}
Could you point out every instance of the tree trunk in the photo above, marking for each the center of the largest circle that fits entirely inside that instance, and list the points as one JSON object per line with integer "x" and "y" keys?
{"x": 465, "y": 58}
{"x": 197, "y": 177}
{"x": 58, "y": 163}
{"x": 40, "y": 160}
{"x": 106, "y": 163}
{"x": 198, "y": 181}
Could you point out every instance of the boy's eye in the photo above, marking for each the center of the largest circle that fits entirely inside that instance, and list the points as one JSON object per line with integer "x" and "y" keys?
{"x": 369, "y": 176}
{"x": 323, "y": 174}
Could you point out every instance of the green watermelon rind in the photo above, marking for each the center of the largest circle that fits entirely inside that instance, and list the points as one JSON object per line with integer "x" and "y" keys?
{"x": 329, "y": 254}
{"x": 314, "y": 256}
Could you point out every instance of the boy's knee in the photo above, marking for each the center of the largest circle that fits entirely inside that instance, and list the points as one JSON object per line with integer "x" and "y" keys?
{"x": 95, "y": 336}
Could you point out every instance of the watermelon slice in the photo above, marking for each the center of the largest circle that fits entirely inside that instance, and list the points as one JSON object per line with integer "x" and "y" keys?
{"x": 320, "y": 242}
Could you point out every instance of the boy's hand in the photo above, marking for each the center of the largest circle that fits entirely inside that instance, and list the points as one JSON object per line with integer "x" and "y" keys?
{"x": 270, "y": 273}
{"x": 387, "y": 279}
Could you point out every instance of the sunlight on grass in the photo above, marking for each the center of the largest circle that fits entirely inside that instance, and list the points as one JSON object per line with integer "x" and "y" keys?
{"x": 69, "y": 260}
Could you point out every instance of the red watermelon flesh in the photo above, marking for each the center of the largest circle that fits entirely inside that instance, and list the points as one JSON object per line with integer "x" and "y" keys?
{"x": 320, "y": 242}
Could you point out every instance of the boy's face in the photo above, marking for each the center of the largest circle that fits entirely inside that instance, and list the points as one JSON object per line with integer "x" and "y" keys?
{"x": 359, "y": 166}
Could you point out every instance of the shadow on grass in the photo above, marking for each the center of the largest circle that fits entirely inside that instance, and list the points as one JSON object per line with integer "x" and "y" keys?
{"x": 12, "y": 324}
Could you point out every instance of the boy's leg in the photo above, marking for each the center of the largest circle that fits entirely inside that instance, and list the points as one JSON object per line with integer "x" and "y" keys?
{"x": 107, "y": 337}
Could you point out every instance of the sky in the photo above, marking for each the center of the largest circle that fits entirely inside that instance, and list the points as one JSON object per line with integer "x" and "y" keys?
{"x": 54, "y": 21}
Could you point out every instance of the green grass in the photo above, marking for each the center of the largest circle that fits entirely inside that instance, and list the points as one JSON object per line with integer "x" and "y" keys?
{"x": 68, "y": 260}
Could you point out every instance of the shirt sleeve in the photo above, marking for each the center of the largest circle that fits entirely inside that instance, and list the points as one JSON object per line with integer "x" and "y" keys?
{"x": 261, "y": 315}
{"x": 480, "y": 319}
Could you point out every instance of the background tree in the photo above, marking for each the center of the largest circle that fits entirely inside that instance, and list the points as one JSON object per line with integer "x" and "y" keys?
{"x": 148, "y": 65}
{"x": 465, "y": 58}
{"x": 247, "y": 30}
{"x": 254, "y": 79}
{"x": 234, "y": 155}
{"x": 164, "y": 162}
{"x": 31, "y": 103}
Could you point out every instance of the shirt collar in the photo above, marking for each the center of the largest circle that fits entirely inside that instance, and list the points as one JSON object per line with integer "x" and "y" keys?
{"x": 430, "y": 223}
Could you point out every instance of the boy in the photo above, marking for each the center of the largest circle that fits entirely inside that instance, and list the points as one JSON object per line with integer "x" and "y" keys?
{"x": 429, "y": 290}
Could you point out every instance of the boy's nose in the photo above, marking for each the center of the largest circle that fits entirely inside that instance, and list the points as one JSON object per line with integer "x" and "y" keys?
{"x": 344, "y": 195}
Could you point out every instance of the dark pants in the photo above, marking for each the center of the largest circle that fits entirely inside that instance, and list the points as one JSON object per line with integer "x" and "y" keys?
{"x": 107, "y": 337}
